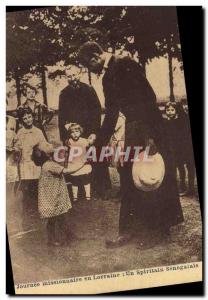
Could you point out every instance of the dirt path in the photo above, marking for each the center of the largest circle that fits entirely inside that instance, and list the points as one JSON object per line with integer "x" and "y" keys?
{"x": 93, "y": 222}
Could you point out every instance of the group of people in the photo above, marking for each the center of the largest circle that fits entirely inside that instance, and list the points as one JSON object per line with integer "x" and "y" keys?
{"x": 128, "y": 96}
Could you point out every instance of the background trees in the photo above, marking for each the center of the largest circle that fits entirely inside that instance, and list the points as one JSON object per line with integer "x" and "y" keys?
{"x": 41, "y": 37}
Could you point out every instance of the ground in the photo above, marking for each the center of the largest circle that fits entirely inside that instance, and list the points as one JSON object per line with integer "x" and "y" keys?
{"x": 93, "y": 222}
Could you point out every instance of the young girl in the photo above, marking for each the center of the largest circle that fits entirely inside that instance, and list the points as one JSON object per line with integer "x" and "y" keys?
{"x": 53, "y": 199}
{"x": 11, "y": 163}
{"x": 174, "y": 130}
{"x": 27, "y": 137}
{"x": 41, "y": 113}
{"x": 82, "y": 176}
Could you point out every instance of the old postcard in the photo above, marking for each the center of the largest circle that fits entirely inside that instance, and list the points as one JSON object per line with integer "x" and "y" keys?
{"x": 101, "y": 184}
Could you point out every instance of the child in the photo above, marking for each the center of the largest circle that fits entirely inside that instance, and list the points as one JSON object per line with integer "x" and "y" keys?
{"x": 173, "y": 124}
{"x": 53, "y": 198}
{"x": 11, "y": 163}
{"x": 82, "y": 176}
{"x": 27, "y": 137}
{"x": 188, "y": 148}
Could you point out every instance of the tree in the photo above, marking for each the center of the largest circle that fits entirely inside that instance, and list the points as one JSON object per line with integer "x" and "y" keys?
{"x": 45, "y": 36}
{"x": 31, "y": 46}
{"x": 155, "y": 32}
{"x": 19, "y": 49}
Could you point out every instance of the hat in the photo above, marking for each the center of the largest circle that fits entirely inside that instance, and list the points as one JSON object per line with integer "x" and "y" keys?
{"x": 148, "y": 174}
{"x": 46, "y": 147}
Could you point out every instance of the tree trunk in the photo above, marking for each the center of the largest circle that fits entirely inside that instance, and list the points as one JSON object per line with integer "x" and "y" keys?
{"x": 142, "y": 60}
{"x": 17, "y": 80}
{"x": 44, "y": 88}
{"x": 89, "y": 77}
{"x": 170, "y": 66}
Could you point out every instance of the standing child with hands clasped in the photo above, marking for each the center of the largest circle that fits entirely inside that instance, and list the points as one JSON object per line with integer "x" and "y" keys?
{"x": 174, "y": 130}
{"x": 53, "y": 199}
{"x": 82, "y": 177}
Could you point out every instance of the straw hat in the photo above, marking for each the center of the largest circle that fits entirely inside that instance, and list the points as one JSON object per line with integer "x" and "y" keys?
{"x": 148, "y": 175}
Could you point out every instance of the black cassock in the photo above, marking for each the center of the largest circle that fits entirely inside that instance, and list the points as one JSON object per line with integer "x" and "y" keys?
{"x": 127, "y": 90}
{"x": 80, "y": 104}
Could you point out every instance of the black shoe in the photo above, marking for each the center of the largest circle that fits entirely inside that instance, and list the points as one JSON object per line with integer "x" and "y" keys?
{"x": 182, "y": 192}
{"x": 121, "y": 240}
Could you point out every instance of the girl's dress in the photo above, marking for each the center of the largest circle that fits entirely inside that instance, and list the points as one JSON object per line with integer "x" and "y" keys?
{"x": 53, "y": 198}
{"x": 26, "y": 140}
{"x": 81, "y": 176}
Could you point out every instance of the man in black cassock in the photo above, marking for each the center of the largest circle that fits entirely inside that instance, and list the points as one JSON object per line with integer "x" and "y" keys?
{"x": 127, "y": 90}
{"x": 78, "y": 103}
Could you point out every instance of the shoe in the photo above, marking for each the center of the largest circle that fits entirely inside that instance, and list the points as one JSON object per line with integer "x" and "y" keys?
{"x": 182, "y": 193}
{"x": 147, "y": 244}
{"x": 182, "y": 190}
{"x": 121, "y": 240}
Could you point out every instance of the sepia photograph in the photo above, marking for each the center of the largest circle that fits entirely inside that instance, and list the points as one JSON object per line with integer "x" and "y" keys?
{"x": 100, "y": 170}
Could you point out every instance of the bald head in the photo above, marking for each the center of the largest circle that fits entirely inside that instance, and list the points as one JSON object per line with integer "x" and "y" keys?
{"x": 91, "y": 55}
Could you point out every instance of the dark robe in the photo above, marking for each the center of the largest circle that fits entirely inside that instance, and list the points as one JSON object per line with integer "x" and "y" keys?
{"x": 81, "y": 105}
{"x": 127, "y": 90}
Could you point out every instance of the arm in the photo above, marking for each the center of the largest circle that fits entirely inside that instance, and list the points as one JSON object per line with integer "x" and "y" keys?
{"x": 95, "y": 111}
{"x": 72, "y": 168}
{"x": 111, "y": 116}
{"x": 61, "y": 119}
{"x": 47, "y": 114}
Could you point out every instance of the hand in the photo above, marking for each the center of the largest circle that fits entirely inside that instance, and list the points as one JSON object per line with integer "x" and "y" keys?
{"x": 17, "y": 156}
{"x": 92, "y": 138}
{"x": 152, "y": 147}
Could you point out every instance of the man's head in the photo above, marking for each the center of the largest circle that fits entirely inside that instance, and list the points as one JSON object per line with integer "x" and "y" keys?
{"x": 73, "y": 75}
{"x": 171, "y": 110}
{"x": 29, "y": 91}
{"x": 26, "y": 117}
{"x": 91, "y": 55}
{"x": 74, "y": 130}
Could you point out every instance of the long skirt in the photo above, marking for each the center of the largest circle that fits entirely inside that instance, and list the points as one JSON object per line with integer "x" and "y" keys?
{"x": 155, "y": 209}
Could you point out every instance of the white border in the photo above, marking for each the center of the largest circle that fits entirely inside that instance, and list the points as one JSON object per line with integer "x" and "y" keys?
{"x": 3, "y": 3}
